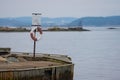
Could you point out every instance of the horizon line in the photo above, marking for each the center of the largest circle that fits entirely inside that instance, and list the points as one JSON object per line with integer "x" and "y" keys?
{"x": 58, "y": 16}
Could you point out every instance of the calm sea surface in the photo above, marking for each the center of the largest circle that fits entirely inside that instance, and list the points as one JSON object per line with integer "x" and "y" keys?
{"x": 95, "y": 53}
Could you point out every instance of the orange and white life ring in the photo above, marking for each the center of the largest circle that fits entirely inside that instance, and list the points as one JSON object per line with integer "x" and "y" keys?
{"x": 32, "y": 33}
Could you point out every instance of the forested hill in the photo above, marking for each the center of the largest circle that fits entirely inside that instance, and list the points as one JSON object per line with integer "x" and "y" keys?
{"x": 27, "y": 21}
{"x": 63, "y": 21}
{"x": 97, "y": 21}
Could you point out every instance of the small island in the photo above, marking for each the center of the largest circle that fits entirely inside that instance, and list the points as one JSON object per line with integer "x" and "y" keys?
{"x": 23, "y": 29}
{"x": 13, "y": 29}
{"x": 66, "y": 29}
{"x": 111, "y": 28}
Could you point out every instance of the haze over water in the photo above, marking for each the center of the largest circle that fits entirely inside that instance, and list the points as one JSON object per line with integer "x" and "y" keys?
{"x": 95, "y": 53}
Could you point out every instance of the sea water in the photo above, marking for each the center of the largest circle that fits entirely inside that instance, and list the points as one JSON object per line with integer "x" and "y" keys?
{"x": 95, "y": 53}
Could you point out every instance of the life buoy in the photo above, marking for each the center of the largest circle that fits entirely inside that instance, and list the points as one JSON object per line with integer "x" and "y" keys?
{"x": 32, "y": 34}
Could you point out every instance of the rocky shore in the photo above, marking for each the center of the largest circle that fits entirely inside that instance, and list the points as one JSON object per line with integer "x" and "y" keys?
{"x": 22, "y": 29}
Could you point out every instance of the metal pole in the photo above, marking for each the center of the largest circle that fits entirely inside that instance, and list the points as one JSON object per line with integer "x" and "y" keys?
{"x": 34, "y": 47}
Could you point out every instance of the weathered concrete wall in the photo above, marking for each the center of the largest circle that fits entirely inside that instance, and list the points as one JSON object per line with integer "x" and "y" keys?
{"x": 4, "y": 51}
{"x": 63, "y": 72}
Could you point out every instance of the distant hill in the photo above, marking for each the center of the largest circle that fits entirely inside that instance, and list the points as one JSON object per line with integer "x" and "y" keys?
{"x": 22, "y": 21}
{"x": 97, "y": 21}
{"x": 63, "y": 21}
{"x": 27, "y": 21}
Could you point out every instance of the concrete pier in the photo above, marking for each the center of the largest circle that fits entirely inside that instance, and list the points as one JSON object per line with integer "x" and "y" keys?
{"x": 21, "y": 66}
{"x": 61, "y": 72}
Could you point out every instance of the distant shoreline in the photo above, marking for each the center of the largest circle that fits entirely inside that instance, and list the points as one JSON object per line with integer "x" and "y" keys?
{"x": 21, "y": 29}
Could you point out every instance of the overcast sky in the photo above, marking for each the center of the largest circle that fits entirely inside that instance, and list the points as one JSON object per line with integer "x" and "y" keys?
{"x": 59, "y": 8}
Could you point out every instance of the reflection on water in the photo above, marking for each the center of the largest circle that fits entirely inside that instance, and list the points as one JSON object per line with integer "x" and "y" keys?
{"x": 96, "y": 53}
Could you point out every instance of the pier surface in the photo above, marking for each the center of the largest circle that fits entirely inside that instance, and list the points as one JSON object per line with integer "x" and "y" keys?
{"x": 22, "y": 66}
{"x": 17, "y": 60}
{"x": 27, "y": 64}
